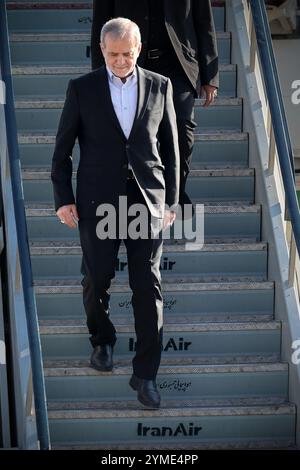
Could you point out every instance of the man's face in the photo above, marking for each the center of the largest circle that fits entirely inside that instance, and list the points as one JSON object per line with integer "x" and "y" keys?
{"x": 120, "y": 54}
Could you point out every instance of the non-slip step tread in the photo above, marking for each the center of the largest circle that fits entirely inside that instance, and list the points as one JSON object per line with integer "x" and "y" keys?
{"x": 246, "y": 444}
{"x": 177, "y": 279}
{"x": 70, "y": 5}
{"x": 168, "y": 285}
{"x": 56, "y": 366}
{"x": 196, "y": 169}
{"x": 175, "y": 411}
{"x": 58, "y": 102}
{"x": 63, "y": 328}
{"x": 71, "y": 36}
{"x": 63, "y": 248}
{"x": 38, "y": 173}
{"x": 49, "y": 138}
{"x": 174, "y": 319}
{"x": 204, "y": 278}
{"x": 74, "y": 244}
{"x": 132, "y": 404}
{"x": 169, "y": 369}
{"x": 50, "y": 5}
{"x": 77, "y": 69}
{"x": 47, "y": 210}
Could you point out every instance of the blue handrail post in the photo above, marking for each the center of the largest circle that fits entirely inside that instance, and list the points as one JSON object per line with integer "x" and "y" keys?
{"x": 22, "y": 237}
{"x": 279, "y": 121}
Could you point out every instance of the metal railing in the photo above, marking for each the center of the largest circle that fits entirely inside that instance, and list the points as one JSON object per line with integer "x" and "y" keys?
{"x": 30, "y": 412}
{"x": 280, "y": 147}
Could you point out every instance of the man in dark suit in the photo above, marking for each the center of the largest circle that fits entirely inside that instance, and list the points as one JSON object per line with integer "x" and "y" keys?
{"x": 179, "y": 42}
{"x": 124, "y": 119}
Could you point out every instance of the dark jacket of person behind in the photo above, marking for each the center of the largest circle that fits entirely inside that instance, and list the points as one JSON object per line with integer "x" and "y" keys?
{"x": 190, "y": 30}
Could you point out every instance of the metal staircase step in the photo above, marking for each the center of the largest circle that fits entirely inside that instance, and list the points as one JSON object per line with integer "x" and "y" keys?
{"x": 222, "y": 382}
{"x": 274, "y": 444}
{"x": 213, "y": 185}
{"x": 213, "y": 260}
{"x": 171, "y": 360}
{"x": 121, "y": 362}
{"x": 74, "y": 248}
{"x": 232, "y": 426}
{"x": 26, "y": 138}
{"x": 211, "y": 151}
{"x": 203, "y": 339}
{"x": 51, "y": 81}
{"x": 63, "y": 299}
{"x": 121, "y": 285}
{"x": 125, "y": 324}
{"x": 74, "y": 47}
{"x": 43, "y": 115}
{"x": 176, "y": 411}
{"x": 221, "y": 149}
{"x": 67, "y": 16}
{"x": 176, "y": 319}
{"x": 222, "y": 222}
{"x": 37, "y": 173}
{"x": 201, "y": 402}
{"x": 57, "y": 103}
{"x": 61, "y": 69}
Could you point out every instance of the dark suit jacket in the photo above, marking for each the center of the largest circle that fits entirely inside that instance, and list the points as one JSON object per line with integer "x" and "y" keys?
{"x": 104, "y": 150}
{"x": 190, "y": 27}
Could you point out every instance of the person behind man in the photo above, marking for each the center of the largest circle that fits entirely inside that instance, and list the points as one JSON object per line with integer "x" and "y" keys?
{"x": 124, "y": 119}
{"x": 179, "y": 41}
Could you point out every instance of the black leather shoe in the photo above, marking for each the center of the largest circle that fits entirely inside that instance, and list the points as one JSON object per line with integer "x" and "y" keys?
{"x": 147, "y": 392}
{"x": 102, "y": 358}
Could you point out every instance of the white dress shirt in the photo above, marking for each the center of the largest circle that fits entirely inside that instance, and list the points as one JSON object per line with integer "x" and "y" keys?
{"x": 124, "y": 99}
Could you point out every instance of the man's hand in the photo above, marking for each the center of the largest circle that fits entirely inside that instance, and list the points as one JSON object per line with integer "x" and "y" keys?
{"x": 169, "y": 218}
{"x": 68, "y": 215}
{"x": 209, "y": 92}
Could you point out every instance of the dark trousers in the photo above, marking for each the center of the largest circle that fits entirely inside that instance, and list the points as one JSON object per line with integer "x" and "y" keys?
{"x": 98, "y": 268}
{"x": 184, "y": 101}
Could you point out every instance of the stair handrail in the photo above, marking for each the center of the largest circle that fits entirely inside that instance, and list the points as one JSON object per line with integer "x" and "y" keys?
{"x": 22, "y": 278}
{"x": 279, "y": 137}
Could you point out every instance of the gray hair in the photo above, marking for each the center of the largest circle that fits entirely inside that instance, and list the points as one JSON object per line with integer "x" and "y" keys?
{"x": 120, "y": 27}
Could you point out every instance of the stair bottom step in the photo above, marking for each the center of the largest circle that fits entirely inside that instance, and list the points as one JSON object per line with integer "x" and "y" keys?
{"x": 217, "y": 445}
{"x": 206, "y": 427}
